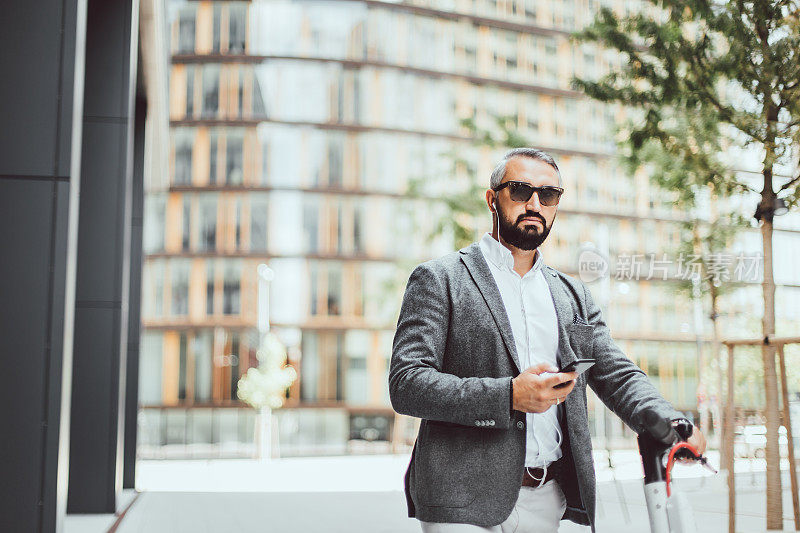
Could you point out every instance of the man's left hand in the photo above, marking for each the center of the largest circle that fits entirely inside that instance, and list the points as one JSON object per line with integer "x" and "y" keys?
{"x": 698, "y": 441}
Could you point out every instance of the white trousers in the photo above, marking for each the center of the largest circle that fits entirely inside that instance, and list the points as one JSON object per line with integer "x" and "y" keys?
{"x": 538, "y": 510}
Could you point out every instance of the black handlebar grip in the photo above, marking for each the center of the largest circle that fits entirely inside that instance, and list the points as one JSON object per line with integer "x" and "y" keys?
{"x": 658, "y": 427}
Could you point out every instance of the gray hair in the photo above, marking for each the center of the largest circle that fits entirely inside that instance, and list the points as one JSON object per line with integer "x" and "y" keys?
{"x": 499, "y": 171}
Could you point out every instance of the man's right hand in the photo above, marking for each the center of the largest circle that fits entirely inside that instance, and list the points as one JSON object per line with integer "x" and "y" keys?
{"x": 533, "y": 388}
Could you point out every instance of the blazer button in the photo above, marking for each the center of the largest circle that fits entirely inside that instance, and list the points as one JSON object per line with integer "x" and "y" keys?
{"x": 491, "y": 422}
{"x": 520, "y": 424}
{"x": 477, "y": 422}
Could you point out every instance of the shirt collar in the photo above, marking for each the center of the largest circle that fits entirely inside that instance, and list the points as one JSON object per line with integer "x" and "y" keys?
{"x": 502, "y": 257}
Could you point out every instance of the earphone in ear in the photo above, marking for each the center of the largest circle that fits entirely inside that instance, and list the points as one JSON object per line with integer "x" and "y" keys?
{"x": 494, "y": 213}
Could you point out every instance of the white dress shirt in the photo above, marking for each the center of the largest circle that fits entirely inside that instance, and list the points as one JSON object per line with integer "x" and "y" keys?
{"x": 534, "y": 325}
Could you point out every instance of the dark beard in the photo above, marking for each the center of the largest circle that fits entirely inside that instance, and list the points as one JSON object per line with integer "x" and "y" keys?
{"x": 523, "y": 237}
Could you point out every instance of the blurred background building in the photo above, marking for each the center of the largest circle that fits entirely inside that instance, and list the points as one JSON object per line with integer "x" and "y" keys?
{"x": 295, "y": 130}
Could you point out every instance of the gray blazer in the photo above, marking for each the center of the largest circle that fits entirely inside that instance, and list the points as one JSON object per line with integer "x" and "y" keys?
{"x": 453, "y": 358}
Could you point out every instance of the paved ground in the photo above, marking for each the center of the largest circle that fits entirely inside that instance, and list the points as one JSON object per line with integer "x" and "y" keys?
{"x": 364, "y": 493}
{"x": 346, "y": 512}
{"x": 96, "y": 523}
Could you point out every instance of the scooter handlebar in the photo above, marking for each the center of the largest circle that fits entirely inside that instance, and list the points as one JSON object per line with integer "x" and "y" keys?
{"x": 659, "y": 428}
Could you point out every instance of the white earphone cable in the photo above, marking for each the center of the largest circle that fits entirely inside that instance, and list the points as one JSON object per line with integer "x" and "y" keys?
{"x": 559, "y": 441}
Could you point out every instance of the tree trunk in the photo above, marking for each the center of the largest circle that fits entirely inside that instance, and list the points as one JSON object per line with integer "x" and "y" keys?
{"x": 768, "y": 196}
{"x": 774, "y": 488}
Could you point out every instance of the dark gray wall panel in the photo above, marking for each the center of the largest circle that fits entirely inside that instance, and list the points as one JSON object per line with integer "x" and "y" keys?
{"x": 24, "y": 310}
{"x": 134, "y": 300}
{"x": 99, "y": 245}
{"x": 108, "y": 51}
{"x": 41, "y": 59}
{"x": 31, "y": 57}
{"x": 62, "y": 318}
{"x": 95, "y": 378}
{"x": 100, "y": 344}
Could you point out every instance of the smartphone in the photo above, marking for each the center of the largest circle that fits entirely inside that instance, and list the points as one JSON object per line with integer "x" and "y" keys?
{"x": 578, "y": 365}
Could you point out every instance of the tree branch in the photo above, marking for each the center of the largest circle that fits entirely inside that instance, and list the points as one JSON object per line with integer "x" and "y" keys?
{"x": 746, "y": 187}
{"x": 789, "y": 183}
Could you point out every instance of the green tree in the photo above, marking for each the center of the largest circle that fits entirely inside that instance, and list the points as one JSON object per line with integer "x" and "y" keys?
{"x": 685, "y": 163}
{"x": 734, "y": 64}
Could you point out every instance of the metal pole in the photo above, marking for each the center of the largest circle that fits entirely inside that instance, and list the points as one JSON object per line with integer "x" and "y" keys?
{"x": 729, "y": 431}
{"x": 265, "y": 276}
{"x": 264, "y": 415}
{"x": 787, "y": 422}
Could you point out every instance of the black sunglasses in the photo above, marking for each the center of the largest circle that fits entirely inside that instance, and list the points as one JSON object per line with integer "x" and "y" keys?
{"x": 522, "y": 192}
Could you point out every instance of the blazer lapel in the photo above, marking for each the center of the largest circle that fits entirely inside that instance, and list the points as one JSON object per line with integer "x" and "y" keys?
{"x": 564, "y": 313}
{"x": 567, "y": 330}
{"x": 479, "y": 270}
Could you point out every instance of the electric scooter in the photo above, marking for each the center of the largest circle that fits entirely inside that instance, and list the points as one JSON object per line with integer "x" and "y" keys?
{"x": 660, "y": 445}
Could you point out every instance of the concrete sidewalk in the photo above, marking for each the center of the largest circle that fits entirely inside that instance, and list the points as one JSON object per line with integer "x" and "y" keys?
{"x": 621, "y": 505}
{"x": 193, "y": 512}
{"x": 354, "y": 494}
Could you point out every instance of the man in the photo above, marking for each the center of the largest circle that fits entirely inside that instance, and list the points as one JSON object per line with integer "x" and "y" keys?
{"x": 481, "y": 335}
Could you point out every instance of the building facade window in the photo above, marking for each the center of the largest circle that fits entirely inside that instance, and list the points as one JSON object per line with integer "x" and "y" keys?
{"x": 258, "y": 223}
{"x": 155, "y": 208}
{"x": 334, "y": 289}
{"x": 309, "y": 368}
{"x": 339, "y": 208}
{"x": 210, "y": 91}
{"x": 183, "y": 363}
{"x": 237, "y": 222}
{"x": 213, "y": 152}
{"x": 153, "y": 285}
{"x": 322, "y": 366}
{"x": 311, "y": 225}
{"x": 190, "y": 74}
{"x": 240, "y": 95}
{"x": 186, "y": 30}
{"x": 234, "y": 158}
{"x": 234, "y": 365}
{"x": 237, "y": 28}
{"x": 186, "y": 223}
{"x": 335, "y": 161}
{"x": 231, "y": 288}
{"x": 203, "y": 350}
{"x": 356, "y": 379}
{"x": 208, "y": 223}
{"x": 265, "y": 153}
{"x": 358, "y": 235}
{"x": 313, "y": 288}
{"x": 216, "y": 23}
{"x": 184, "y": 144}
{"x": 150, "y": 368}
{"x": 179, "y": 270}
{"x": 210, "y": 285}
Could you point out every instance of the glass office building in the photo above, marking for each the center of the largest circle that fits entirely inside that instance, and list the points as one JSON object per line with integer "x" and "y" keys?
{"x": 296, "y": 128}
